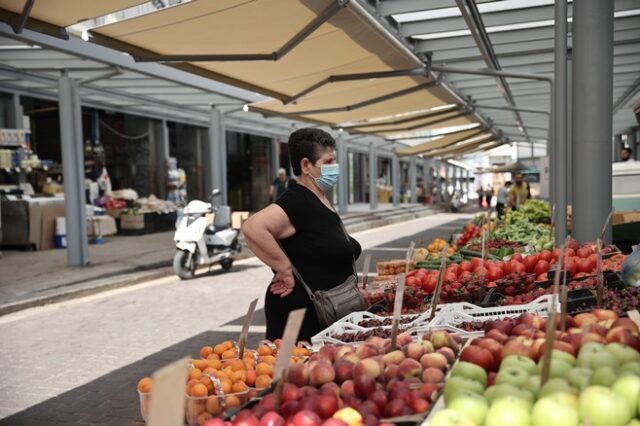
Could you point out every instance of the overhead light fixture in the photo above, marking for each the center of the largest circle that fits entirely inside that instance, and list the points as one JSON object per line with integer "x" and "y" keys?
{"x": 245, "y": 107}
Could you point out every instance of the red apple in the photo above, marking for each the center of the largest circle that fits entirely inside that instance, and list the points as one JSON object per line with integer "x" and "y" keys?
{"x": 409, "y": 367}
{"x": 530, "y": 319}
{"x": 271, "y": 419}
{"x": 379, "y": 398}
{"x": 306, "y": 418}
{"x": 448, "y": 353}
{"x": 503, "y": 325}
{"x": 368, "y": 367}
{"x": 327, "y": 405}
{"x": 605, "y": 314}
{"x": 627, "y": 323}
{"x": 584, "y": 319}
{"x": 347, "y": 389}
{"x": 298, "y": 374}
{"x": 343, "y": 370}
{"x": 492, "y": 346}
{"x": 525, "y": 330}
{"x": 624, "y": 336}
{"x": 291, "y": 392}
{"x": 364, "y": 385}
{"x": 479, "y": 356}
{"x": 497, "y": 335}
{"x": 322, "y": 373}
{"x": 518, "y": 346}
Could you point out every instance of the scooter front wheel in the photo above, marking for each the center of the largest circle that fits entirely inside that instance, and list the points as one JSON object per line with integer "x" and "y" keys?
{"x": 180, "y": 267}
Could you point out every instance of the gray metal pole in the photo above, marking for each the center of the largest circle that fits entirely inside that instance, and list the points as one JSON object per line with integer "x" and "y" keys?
{"x": 343, "y": 182}
{"x": 214, "y": 160}
{"x": 373, "y": 177}
{"x": 73, "y": 171}
{"x": 592, "y": 117}
{"x": 616, "y": 143}
{"x": 560, "y": 122}
{"x": 222, "y": 137}
{"x": 16, "y": 113}
{"x": 413, "y": 177}
{"x": 275, "y": 158}
{"x": 395, "y": 180}
{"x": 468, "y": 185}
{"x": 162, "y": 156}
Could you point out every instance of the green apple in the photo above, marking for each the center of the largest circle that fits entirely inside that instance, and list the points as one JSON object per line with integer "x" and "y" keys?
{"x": 558, "y": 367}
{"x": 603, "y": 359}
{"x": 603, "y": 376}
{"x": 448, "y": 417}
{"x": 532, "y": 385}
{"x": 513, "y": 375}
{"x": 527, "y": 364}
{"x": 505, "y": 390}
{"x": 578, "y": 377}
{"x": 470, "y": 371}
{"x": 634, "y": 422}
{"x": 629, "y": 388}
{"x": 564, "y": 356}
{"x": 600, "y": 406}
{"x": 550, "y": 411}
{"x": 623, "y": 353}
{"x": 457, "y": 384}
{"x": 470, "y": 404}
{"x": 587, "y": 352}
{"x": 630, "y": 368}
{"x": 568, "y": 399}
{"x": 591, "y": 347}
{"x": 507, "y": 412}
{"x": 555, "y": 385}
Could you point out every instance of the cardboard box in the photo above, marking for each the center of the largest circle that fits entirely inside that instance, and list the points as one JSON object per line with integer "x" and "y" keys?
{"x": 102, "y": 225}
{"x": 132, "y": 221}
{"x": 238, "y": 218}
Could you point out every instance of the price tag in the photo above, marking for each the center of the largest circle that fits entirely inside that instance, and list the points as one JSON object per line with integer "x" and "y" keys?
{"x": 289, "y": 337}
{"x": 635, "y": 317}
{"x": 397, "y": 310}
{"x": 599, "y": 274}
{"x": 242, "y": 341}
{"x": 436, "y": 292}
{"x": 410, "y": 251}
{"x": 365, "y": 270}
{"x": 167, "y": 400}
{"x": 551, "y": 322}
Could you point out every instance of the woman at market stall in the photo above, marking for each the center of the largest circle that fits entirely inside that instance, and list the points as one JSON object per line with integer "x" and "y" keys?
{"x": 302, "y": 228}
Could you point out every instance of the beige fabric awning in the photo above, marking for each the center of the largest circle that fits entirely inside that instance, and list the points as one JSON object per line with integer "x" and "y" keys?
{"x": 68, "y": 12}
{"x": 463, "y": 146}
{"x": 443, "y": 142}
{"x": 478, "y": 150}
{"x": 476, "y": 147}
{"x": 342, "y": 52}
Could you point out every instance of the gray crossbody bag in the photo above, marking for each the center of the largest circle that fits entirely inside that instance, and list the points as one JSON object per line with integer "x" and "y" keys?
{"x": 333, "y": 304}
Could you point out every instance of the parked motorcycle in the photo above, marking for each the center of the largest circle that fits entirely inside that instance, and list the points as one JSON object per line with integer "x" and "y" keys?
{"x": 200, "y": 243}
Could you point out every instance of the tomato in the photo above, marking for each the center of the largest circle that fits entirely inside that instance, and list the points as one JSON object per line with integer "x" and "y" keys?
{"x": 546, "y": 255}
{"x": 412, "y": 282}
{"x": 569, "y": 252}
{"x": 556, "y": 253}
{"x": 584, "y": 252}
{"x": 453, "y": 268}
{"x": 570, "y": 265}
{"x": 448, "y": 276}
{"x": 480, "y": 271}
{"x": 413, "y": 273}
{"x": 465, "y": 265}
{"x": 464, "y": 275}
{"x": 507, "y": 267}
{"x": 475, "y": 262}
{"x": 583, "y": 265}
{"x": 517, "y": 257}
{"x": 530, "y": 262}
{"x": 430, "y": 285}
{"x": 541, "y": 267}
{"x": 517, "y": 267}
{"x": 494, "y": 273}
{"x": 501, "y": 265}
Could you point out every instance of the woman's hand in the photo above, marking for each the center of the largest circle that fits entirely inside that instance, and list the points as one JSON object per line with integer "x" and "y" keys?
{"x": 282, "y": 283}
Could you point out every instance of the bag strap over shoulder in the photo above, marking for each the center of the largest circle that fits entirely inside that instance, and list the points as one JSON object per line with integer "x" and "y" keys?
{"x": 296, "y": 273}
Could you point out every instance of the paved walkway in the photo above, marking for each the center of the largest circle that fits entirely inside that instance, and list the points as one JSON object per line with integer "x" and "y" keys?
{"x": 77, "y": 362}
{"x": 35, "y": 278}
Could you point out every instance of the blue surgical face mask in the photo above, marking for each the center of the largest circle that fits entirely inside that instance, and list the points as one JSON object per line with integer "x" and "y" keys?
{"x": 329, "y": 174}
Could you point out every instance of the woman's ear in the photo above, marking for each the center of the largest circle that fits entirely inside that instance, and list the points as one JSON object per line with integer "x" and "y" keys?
{"x": 305, "y": 166}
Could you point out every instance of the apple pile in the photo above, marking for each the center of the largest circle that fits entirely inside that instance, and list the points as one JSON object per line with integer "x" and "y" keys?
{"x": 371, "y": 380}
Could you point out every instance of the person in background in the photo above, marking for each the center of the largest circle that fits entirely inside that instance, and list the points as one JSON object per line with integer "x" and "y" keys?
{"x": 489, "y": 195}
{"x": 480, "y": 196}
{"x": 279, "y": 185}
{"x": 503, "y": 198}
{"x": 519, "y": 192}
{"x": 626, "y": 154}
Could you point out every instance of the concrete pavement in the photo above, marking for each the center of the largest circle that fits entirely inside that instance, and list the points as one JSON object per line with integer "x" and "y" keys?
{"x": 77, "y": 362}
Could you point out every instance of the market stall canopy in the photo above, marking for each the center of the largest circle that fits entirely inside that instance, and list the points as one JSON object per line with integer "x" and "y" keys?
{"x": 63, "y": 13}
{"x": 505, "y": 168}
{"x": 445, "y": 141}
{"x": 325, "y": 61}
{"x": 465, "y": 147}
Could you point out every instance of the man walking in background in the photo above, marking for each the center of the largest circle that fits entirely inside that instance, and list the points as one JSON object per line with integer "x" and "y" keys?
{"x": 280, "y": 185}
{"x": 503, "y": 198}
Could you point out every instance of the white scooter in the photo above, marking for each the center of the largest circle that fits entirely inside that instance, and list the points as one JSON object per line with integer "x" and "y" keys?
{"x": 200, "y": 243}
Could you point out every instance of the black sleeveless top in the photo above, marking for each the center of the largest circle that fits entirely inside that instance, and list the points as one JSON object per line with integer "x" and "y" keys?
{"x": 319, "y": 250}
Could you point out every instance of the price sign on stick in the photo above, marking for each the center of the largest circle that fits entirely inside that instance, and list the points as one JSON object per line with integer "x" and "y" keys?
{"x": 599, "y": 276}
{"x": 436, "y": 292}
{"x": 409, "y": 256}
{"x": 635, "y": 317}
{"x": 397, "y": 310}
{"x": 289, "y": 338}
{"x": 242, "y": 341}
{"x": 606, "y": 223}
{"x": 551, "y": 322}
{"x": 167, "y": 402}
{"x": 365, "y": 270}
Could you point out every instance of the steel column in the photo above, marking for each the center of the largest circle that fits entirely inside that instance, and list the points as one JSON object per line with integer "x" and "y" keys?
{"x": 215, "y": 164}
{"x": 343, "y": 182}
{"x": 616, "y": 143}
{"x": 592, "y": 117}
{"x": 413, "y": 177}
{"x": 559, "y": 117}
{"x": 395, "y": 180}
{"x": 468, "y": 185}
{"x": 16, "y": 113}
{"x": 373, "y": 177}
{"x": 73, "y": 171}
{"x": 275, "y": 158}
{"x": 162, "y": 158}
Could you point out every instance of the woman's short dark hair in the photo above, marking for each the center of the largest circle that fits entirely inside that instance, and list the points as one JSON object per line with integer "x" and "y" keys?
{"x": 307, "y": 143}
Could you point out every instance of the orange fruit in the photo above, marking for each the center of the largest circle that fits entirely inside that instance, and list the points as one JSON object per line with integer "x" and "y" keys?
{"x": 145, "y": 384}
{"x": 250, "y": 377}
{"x": 229, "y": 344}
{"x": 221, "y": 375}
{"x": 191, "y": 383}
{"x": 263, "y": 381}
{"x": 215, "y": 364}
{"x": 229, "y": 353}
{"x": 300, "y": 352}
{"x": 232, "y": 401}
{"x": 264, "y": 350}
{"x": 249, "y": 365}
{"x": 194, "y": 373}
{"x": 238, "y": 387}
{"x": 264, "y": 369}
{"x": 213, "y": 405}
{"x": 236, "y": 365}
{"x": 199, "y": 390}
{"x": 204, "y": 418}
{"x": 219, "y": 348}
{"x": 206, "y": 351}
{"x": 200, "y": 364}
{"x": 269, "y": 359}
{"x": 226, "y": 385}
{"x": 194, "y": 408}
{"x": 209, "y": 371}
{"x": 213, "y": 356}
{"x": 207, "y": 382}
{"x": 237, "y": 376}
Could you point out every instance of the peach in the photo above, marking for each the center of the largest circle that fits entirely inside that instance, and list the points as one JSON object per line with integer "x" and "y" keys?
{"x": 322, "y": 373}
{"x": 393, "y": 357}
{"x": 432, "y": 375}
{"x": 298, "y": 374}
{"x": 409, "y": 367}
{"x": 435, "y": 360}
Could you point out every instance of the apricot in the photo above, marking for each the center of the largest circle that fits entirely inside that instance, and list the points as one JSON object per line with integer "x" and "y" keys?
{"x": 194, "y": 373}
{"x": 265, "y": 350}
{"x": 145, "y": 384}
{"x": 263, "y": 381}
{"x": 206, "y": 351}
{"x": 207, "y": 382}
{"x": 219, "y": 348}
{"x": 269, "y": 359}
{"x": 250, "y": 377}
{"x": 264, "y": 368}
{"x": 199, "y": 390}
{"x": 238, "y": 387}
{"x": 200, "y": 364}
{"x": 232, "y": 401}
{"x": 237, "y": 365}
{"x": 204, "y": 418}
{"x": 229, "y": 354}
{"x": 213, "y": 405}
